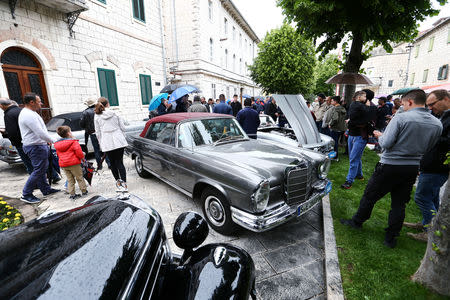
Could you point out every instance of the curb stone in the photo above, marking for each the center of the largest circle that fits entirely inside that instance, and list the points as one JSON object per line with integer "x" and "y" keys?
{"x": 332, "y": 271}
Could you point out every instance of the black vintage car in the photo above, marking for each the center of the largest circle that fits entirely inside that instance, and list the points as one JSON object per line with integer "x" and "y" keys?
{"x": 110, "y": 248}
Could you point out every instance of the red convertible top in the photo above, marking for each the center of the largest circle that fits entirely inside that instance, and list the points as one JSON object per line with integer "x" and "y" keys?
{"x": 177, "y": 117}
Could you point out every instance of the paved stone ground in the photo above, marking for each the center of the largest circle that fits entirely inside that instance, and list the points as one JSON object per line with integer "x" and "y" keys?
{"x": 289, "y": 260}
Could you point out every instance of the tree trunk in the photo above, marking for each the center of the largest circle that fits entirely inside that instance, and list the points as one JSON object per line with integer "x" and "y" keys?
{"x": 434, "y": 271}
{"x": 353, "y": 63}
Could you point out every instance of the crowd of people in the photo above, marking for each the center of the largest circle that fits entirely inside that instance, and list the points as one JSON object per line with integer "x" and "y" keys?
{"x": 413, "y": 137}
{"x": 27, "y": 132}
{"x": 247, "y": 116}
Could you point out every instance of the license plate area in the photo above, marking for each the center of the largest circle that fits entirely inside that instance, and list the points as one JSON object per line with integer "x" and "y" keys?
{"x": 307, "y": 205}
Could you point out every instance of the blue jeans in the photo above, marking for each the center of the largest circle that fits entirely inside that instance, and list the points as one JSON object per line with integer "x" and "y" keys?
{"x": 38, "y": 155}
{"x": 356, "y": 145}
{"x": 336, "y": 135}
{"x": 427, "y": 194}
{"x": 97, "y": 152}
{"x": 25, "y": 159}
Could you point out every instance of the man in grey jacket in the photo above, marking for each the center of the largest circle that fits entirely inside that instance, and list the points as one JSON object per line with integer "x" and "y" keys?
{"x": 407, "y": 137}
{"x": 197, "y": 106}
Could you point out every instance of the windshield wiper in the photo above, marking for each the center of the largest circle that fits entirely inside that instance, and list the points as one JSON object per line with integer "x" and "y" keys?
{"x": 229, "y": 138}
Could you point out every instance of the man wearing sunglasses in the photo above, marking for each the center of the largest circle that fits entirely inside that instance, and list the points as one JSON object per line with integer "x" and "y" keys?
{"x": 407, "y": 137}
{"x": 433, "y": 172}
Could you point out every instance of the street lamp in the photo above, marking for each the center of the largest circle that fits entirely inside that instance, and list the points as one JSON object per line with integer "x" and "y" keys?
{"x": 408, "y": 48}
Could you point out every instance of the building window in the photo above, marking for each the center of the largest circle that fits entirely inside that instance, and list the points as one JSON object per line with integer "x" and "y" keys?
{"x": 240, "y": 39}
{"x": 146, "y": 88}
{"x": 213, "y": 91}
{"x": 245, "y": 46}
{"x": 228, "y": 93}
{"x": 138, "y": 10}
{"x": 226, "y": 58}
{"x": 390, "y": 83}
{"x": 417, "y": 51}
{"x": 425, "y": 75}
{"x": 448, "y": 36}
{"x": 234, "y": 63}
{"x": 443, "y": 72}
{"x": 431, "y": 43}
{"x": 102, "y": 1}
{"x": 211, "y": 50}
{"x": 210, "y": 10}
{"x": 240, "y": 65}
{"x": 108, "y": 86}
{"x": 234, "y": 33}
{"x": 413, "y": 75}
{"x": 225, "y": 26}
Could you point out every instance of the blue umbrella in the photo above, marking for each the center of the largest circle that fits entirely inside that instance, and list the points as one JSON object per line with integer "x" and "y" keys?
{"x": 246, "y": 96}
{"x": 182, "y": 91}
{"x": 156, "y": 101}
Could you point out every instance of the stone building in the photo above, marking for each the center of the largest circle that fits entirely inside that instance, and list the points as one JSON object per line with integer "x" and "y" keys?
{"x": 423, "y": 63}
{"x": 69, "y": 50}
{"x": 209, "y": 44}
{"x": 430, "y": 57}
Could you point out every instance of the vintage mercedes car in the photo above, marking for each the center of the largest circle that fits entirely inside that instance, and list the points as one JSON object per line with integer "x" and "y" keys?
{"x": 252, "y": 183}
{"x": 117, "y": 249}
{"x": 302, "y": 132}
{"x": 8, "y": 152}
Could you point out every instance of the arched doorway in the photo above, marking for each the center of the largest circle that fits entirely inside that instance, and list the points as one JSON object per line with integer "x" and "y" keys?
{"x": 23, "y": 74}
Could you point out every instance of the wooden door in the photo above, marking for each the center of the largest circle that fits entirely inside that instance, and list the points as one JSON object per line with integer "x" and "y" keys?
{"x": 23, "y": 74}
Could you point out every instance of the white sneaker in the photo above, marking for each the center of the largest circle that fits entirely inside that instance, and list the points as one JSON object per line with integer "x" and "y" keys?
{"x": 118, "y": 185}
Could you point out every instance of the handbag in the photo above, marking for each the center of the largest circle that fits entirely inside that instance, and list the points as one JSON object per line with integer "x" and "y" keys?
{"x": 88, "y": 170}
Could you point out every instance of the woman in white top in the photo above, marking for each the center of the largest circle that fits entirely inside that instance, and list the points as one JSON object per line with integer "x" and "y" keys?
{"x": 110, "y": 131}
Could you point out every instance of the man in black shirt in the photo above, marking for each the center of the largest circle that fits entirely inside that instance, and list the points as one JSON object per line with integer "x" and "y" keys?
{"x": 235, "y": 105}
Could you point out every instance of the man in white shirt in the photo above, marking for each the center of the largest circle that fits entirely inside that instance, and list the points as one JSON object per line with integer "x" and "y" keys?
{"x": 35, "y": 140}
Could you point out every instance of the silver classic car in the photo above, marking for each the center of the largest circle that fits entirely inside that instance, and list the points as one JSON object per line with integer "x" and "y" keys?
{"x": 302, "y": 131}
{"x": 251, "y": 183}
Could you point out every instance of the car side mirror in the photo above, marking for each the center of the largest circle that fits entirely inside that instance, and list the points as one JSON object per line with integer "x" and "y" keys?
{"x": 189, "y": 231}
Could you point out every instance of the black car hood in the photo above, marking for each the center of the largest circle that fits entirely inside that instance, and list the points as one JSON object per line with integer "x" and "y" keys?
{"x": 299, "y": 117}
{"x": 88, "y": 252}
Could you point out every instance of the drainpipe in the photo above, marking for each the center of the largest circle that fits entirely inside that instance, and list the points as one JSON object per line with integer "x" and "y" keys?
{"x": 175, "y": 33}
{"x": 163, "y": 51}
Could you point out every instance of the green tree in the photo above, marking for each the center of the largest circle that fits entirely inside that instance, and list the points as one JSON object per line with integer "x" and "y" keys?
{"x": 285, "y": 62}
{"x": 365, "y": 22}
{"x": 326, "y": 68}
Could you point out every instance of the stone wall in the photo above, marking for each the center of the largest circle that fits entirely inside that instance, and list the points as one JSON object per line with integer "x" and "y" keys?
{"x": 106, "y": 36}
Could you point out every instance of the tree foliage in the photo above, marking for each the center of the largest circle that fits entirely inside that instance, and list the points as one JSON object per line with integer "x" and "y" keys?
{"x": 327, "y": 67}
{"x": 365, "y": 22}
{"x": 285, "y": 62}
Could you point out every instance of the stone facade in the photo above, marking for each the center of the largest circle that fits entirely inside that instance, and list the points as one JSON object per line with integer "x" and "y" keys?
{"x": 105, "y": 36}
{"x": 429, "y": 52}
{"x": 201, "y": 51}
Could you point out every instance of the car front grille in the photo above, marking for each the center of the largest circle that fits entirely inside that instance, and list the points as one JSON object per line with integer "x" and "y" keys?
{"x": 297, "y": 184}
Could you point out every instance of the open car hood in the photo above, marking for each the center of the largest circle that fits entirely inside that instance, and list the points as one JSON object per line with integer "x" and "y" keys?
{"x": 299, "y": 117}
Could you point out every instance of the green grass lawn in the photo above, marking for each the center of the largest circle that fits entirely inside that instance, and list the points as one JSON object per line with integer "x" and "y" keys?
{"x": 369, "y": 269}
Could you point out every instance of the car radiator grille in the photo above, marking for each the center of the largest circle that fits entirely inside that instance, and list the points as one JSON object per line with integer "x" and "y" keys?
{"x": 298, "y": 184}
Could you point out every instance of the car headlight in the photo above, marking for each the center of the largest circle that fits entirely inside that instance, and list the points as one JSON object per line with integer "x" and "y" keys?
{"x": 261, "y": 196}
{"x": 323, "y": 168}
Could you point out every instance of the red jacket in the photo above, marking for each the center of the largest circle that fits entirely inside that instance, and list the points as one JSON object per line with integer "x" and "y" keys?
{"x": 69, "y": 152}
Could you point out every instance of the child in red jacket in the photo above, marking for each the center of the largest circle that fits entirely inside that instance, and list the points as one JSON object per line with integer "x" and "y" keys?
{"x": 70, "y": 156}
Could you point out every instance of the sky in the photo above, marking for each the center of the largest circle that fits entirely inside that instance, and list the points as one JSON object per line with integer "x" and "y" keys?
{"x": 264, "y": 15}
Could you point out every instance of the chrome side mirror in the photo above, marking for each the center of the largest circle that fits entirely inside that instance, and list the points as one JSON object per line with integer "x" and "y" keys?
{"x": 189, "y": 231}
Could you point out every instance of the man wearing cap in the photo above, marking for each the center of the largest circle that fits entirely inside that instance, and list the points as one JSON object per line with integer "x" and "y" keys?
{"x": 11, "y": 117}
{"x": 87, "y": 123}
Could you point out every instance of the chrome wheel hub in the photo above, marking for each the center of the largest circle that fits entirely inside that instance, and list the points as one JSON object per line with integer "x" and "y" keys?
{"x": 215, "y": 212}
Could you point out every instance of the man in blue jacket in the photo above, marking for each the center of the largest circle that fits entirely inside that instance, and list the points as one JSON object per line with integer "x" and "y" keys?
{"x": 222, "y": 107}
{"x": 407, "y": 137}
{"x": 249, "y": 119}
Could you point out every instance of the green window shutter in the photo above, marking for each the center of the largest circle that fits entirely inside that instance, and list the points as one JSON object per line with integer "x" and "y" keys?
{"x": 146, "y": 88}
{"x": 430, "y": 45}
{"x": 108, "y": 86}
{"x": 412, "y": 78}
{"x": 425, "y": 75}
{"x": 138, "y": 10}
{"x": 417, "y": 51}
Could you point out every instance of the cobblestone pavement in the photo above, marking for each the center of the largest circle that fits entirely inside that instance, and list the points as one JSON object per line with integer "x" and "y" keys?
{"x": 289, "y": 260}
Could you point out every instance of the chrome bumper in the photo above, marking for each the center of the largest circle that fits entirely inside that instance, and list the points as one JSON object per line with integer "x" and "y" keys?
{"x": 276, "y": 215}
{"x": 11, "y": 159}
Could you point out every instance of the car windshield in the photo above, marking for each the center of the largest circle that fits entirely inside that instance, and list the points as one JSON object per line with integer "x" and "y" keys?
{"x": 54, "y": 123}
{"x": 208, "y": 131}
